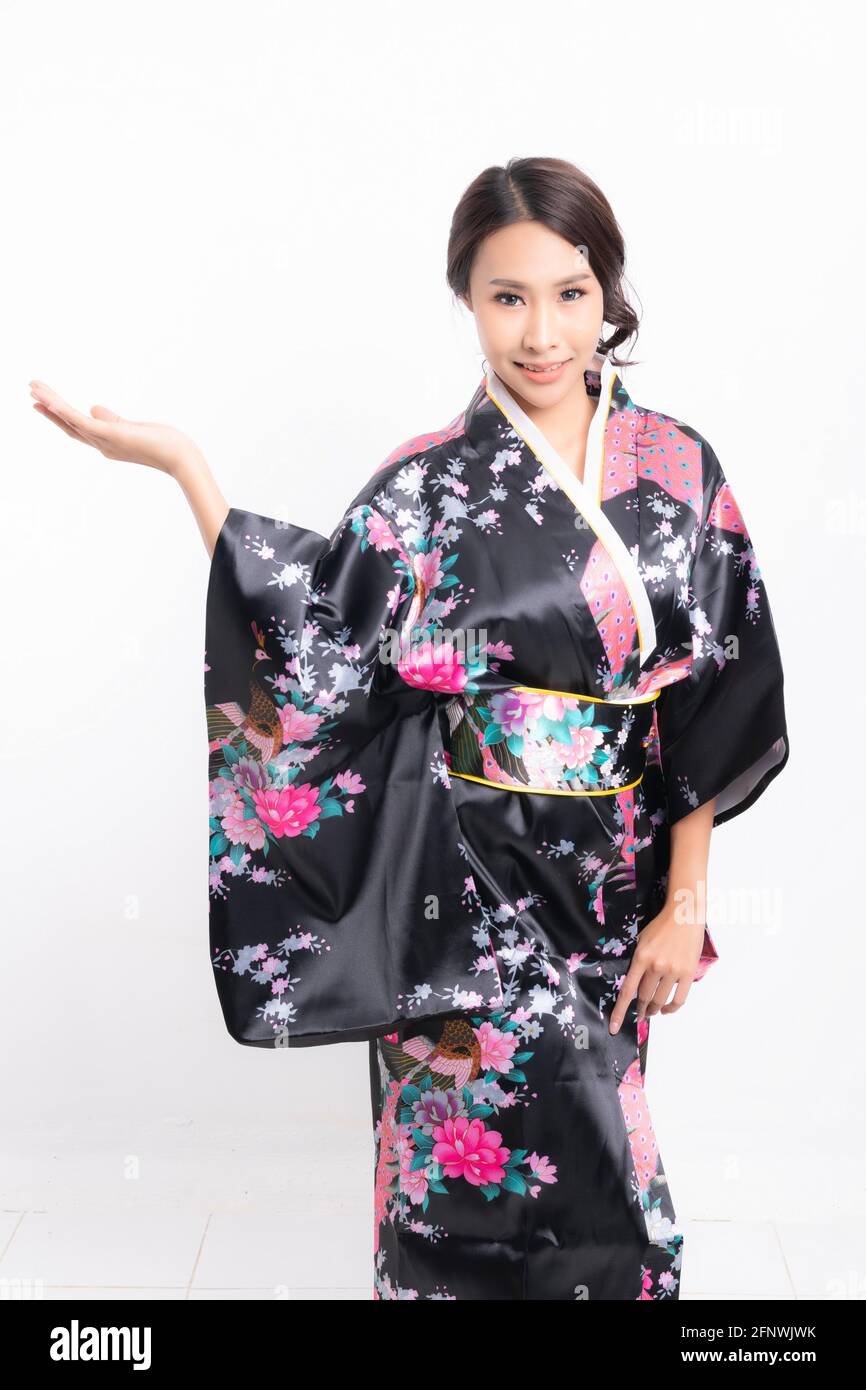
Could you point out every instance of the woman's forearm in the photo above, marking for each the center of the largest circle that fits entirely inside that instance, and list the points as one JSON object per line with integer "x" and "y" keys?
{"x": 204, "y": 497}
{"x": 690, "y": 852}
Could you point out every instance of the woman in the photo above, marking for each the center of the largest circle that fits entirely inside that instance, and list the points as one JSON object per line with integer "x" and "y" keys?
{"x": 465, "y": 758}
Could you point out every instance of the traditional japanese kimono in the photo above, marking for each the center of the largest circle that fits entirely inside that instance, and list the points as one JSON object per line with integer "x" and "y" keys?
{"x": 446, "y": 749}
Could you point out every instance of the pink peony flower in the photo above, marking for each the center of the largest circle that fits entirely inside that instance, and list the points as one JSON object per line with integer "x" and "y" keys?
{"x": 583, "y": 744}
{"x": 516, "y": 710}
{"x": 555, "y": 706}
{"x": 240, "y": 829}
{"x": 427, "y": 566}
{"x": 465, "y": 1149}
{"x": 379, "y": 532}
{"x": 298, "y": 725}
{"x": 288, "y": 810}
{"x": 414, "y": 1184}
{"x": 434, "y": 666}
{"x": 497, "y": 1048}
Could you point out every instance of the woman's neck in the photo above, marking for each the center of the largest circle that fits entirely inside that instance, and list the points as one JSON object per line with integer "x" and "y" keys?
{"x": 566, "y": 426}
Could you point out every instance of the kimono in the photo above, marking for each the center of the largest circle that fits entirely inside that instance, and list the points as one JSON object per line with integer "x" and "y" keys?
{"x": 447, "y": 745}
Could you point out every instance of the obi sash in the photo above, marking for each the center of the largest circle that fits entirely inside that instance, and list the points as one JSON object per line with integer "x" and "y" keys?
{"x": 527, "y": 739}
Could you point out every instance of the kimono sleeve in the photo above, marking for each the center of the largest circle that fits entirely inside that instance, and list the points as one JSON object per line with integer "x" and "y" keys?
{"x": 722, "y": 729}
{"x": 328, "y": 831}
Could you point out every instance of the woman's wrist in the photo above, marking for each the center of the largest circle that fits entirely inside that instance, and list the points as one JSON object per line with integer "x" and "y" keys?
{"x": 189, "y": 466}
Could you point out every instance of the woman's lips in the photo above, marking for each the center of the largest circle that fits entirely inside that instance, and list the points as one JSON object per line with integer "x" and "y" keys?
{"x": 542, "y": 374}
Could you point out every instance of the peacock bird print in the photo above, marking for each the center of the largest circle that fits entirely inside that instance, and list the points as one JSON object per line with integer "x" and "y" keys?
{"x": 452, "y": 1060}
{"x": 259, "y": 724}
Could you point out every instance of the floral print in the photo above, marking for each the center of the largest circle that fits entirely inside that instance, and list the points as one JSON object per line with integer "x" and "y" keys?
{"x": 447, "y": 745}
{"x": 536, "y": 740}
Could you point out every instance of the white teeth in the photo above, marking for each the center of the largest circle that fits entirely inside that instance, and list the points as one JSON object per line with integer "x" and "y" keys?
{"x": 541, "y": 370}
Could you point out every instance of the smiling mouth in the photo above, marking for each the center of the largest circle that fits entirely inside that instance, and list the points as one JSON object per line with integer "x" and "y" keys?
{"x": 542, "y": 367}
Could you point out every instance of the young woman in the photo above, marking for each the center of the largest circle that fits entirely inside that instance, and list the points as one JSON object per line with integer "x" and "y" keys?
{"x": 465, "y": 758}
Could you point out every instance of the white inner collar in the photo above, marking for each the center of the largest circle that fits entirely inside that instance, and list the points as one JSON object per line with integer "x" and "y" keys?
{"x": 541, "y": 445}
{"x": 584, "y": 495}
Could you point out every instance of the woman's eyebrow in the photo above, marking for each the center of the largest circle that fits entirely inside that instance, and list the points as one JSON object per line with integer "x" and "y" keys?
{"x": 569, "y": 280}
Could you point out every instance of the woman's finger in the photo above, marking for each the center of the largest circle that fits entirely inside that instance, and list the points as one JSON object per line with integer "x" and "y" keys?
{"x": 648, "y": 986}
{"x": 661, "y": 994}
{"x": 49, "y": 415}
{"x": 679, "y": 998}
{"x": 628, "y": 989}
{"x": 84, "y": 424}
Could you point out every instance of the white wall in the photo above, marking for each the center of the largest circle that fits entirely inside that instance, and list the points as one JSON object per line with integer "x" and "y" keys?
{"x": 200, "y": 199}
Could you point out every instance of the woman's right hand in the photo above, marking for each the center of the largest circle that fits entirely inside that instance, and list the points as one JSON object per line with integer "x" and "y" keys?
{"x": 136, "y": 441}
{"x": 141, "y": 441}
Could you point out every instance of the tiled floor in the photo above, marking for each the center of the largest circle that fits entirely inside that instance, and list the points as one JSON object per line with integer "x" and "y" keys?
{"x": 324, "y": 1252}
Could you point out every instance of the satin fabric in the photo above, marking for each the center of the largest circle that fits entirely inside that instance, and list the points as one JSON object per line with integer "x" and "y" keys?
{"x": 472, "y": 930}
{"x": 538, "y": 1177}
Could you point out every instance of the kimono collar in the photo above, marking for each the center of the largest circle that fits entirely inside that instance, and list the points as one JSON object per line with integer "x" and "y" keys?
{"x": 492, "y": 419}
{"x": 493, "y": 404}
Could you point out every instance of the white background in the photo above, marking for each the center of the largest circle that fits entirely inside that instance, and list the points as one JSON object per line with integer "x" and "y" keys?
{"x": 235, "y": 220}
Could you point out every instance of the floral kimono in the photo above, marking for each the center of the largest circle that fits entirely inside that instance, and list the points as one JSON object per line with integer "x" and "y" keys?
{"x": 446, "y": 749}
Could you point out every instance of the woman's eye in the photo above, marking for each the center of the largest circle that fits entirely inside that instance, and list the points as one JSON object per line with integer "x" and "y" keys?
{"x": 501, "y": 297}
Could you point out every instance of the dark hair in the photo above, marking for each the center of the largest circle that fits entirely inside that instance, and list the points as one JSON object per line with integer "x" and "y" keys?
{"x": 566, "y": 200}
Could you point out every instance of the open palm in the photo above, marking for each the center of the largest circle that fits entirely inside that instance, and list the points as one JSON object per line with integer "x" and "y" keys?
{"x": 136, "y": 441}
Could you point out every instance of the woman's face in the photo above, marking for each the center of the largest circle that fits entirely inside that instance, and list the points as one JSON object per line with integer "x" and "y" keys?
{"x": 535, "y": 301}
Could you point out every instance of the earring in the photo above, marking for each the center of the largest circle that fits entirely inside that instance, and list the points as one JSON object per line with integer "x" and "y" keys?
{"x": 484, "y": 365}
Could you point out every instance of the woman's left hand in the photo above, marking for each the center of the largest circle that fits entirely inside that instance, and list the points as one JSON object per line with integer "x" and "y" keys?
{"x": 667, "y": 953}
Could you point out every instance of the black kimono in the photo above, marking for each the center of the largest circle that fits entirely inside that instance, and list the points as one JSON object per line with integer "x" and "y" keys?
{"x": 446, "y": 749}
